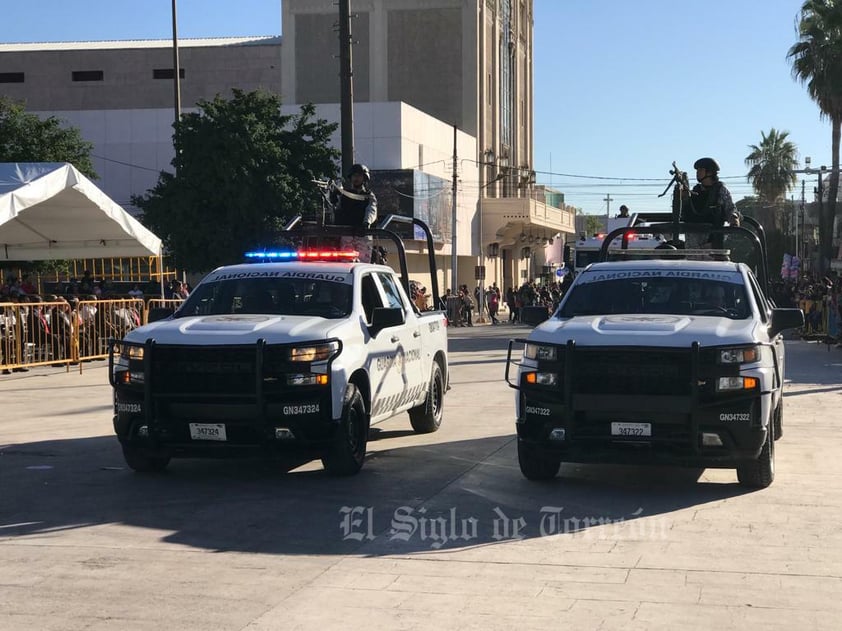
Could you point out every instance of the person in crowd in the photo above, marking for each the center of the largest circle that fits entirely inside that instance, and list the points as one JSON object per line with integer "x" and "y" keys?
{"x": 467, "y": 305}
{"x": 493, "y": 301}
{"x": 27, "y": 285}
{"x": 86, "y": 284}
{"x": 61, "y": 324}
{"x": 135, "y": 291}
{"x": 448, "y": 293}
{"x": 179, "y": 291}
{"x": 511, "y": 303}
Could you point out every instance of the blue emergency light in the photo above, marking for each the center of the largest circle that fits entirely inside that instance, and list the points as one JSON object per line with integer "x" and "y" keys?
{"x": 302, "y": 255}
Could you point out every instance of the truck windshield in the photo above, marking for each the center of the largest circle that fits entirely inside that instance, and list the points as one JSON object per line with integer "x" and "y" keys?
{"x": 269, "y": 296}
{"x": 635, "y": 292}
{"x": 586, "y": 257}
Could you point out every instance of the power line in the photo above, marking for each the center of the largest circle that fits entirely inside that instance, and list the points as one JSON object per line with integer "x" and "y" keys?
{"x": 125, "y": 164}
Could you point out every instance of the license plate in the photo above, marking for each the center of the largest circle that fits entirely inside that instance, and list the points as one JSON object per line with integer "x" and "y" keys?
{"x": 631, "y": 429}
{"x": 208, "y": 431}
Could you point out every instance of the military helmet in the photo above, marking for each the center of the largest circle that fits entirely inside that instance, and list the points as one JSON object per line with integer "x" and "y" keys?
{"x": 708, "y": 164}
{"x": 361, "y": 169}
{"x": 416, "y": 289}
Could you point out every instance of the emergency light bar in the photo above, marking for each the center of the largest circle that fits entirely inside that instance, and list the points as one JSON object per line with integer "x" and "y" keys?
{"x": 692, "y": 254}
{"x": 302, "y": 255}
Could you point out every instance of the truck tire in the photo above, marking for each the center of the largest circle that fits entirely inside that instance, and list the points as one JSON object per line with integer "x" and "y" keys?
{"x": 426, "y": 418}
{"x": 779, "y": 420}
{"x": 143, "y": 463}
{"x": 760, "y": 473}
{"x": 537, "y": 463}
{"x": 346, "y": 455}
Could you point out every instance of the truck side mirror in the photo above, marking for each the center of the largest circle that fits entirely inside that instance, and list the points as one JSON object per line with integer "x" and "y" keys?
{"x": 385, "y": 317}
{"x": 783, "y": 319}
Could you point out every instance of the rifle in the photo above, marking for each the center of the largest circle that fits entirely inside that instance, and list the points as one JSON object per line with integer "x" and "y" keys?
{"x": 326, "y": 188}
{"x": 680, "y": 190}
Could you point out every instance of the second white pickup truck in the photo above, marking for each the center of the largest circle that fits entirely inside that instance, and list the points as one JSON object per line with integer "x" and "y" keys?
{"x": 668, "y": 361}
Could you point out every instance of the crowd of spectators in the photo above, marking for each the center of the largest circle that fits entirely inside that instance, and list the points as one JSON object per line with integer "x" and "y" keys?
{"x": 819, "y": 298}
{"x": 64, "y": 323}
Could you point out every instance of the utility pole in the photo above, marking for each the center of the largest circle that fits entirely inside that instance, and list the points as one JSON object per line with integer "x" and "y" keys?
{"x": 608, "y": 199}
{"x": 803, "y": 201}
{"x": 346, "y": 88}
{"x": 176, "y": 70}
{"x": 453, "y": 257}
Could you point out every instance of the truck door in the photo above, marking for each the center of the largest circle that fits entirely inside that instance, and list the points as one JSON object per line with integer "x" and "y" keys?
{"x": 395, "y": 363}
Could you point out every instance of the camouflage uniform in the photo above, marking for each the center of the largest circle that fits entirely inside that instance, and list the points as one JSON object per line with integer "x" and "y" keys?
{"x": 709, "y": 204}
{"x": 355, "y": 208}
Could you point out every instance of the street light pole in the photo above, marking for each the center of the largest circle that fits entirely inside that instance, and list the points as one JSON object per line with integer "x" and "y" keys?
{"x": 454, "y": 259}
{"x": 489, "y": 159}
{"x": 176, "y": 70}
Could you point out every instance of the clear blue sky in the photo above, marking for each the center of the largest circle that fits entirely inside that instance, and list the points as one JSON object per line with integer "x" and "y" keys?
{"x": 621, "y": 88}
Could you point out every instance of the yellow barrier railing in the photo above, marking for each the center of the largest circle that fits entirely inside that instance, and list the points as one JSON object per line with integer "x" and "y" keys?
{"x": 815, "y": 316}
{"x": 62, "y": 333}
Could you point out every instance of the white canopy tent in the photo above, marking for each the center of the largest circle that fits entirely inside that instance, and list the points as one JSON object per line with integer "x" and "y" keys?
{"x": 49, "y": 210}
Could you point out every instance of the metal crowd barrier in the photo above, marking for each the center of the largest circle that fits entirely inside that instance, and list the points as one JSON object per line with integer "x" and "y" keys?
{"x": 59, "y": 333}
{"x": 815, "y": 316}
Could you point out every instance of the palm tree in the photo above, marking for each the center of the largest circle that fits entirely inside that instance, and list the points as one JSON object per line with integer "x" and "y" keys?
{"x": 817, "y": 62}
{"x": 772, "y": 170}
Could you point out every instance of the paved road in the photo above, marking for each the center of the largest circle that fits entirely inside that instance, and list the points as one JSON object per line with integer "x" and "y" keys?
{"x": 437, "y": 531}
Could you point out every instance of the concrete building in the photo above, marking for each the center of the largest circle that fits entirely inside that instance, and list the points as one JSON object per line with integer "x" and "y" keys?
{"x": 420, "y": 67}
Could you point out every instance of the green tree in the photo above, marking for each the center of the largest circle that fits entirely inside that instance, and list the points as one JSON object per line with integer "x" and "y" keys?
{"x": 817, "y": 62}
{"x": 771, "y": 173}
{"x": 242, "y": 170}
{"x": 594, "y": 224}
{"x": 25, "y": 137}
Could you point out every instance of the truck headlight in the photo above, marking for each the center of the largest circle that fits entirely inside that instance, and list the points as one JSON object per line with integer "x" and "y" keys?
{"x": 307, "y": 379}
{"x": 314, "y": 352}
{"x": 745, "y": 355}
{"x": 541, "y": 378}
{"x": 128, "y": 351}
{"x": 731, "y": 384}
{"x": 541, "y": 352}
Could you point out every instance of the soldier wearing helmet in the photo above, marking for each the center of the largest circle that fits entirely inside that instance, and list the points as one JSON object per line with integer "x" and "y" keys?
{"x": 354, "y": 202}
{"x": 710, "y": 201}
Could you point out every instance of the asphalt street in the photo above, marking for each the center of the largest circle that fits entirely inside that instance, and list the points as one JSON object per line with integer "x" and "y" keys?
{"x": 437, "y": 531}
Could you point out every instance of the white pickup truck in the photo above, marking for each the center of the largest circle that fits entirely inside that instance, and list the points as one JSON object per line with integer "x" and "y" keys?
{"x": 655, "y": 361}
{"x": 301, "y": 355}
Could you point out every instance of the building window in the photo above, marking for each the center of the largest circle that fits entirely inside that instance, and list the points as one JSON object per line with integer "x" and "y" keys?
{"x": 11, "y": 77}
{"x": 88, "y": 75}
{"x": 506, "y": 74}
{"x": 166, "y": 73}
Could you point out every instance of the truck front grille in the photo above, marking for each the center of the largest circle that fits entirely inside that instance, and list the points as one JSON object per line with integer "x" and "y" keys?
{"x": 643, "y": 371}
{"x": 218, "y": 371}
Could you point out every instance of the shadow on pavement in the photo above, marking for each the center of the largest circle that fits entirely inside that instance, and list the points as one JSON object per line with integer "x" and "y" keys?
{"x": 406, "y": 499}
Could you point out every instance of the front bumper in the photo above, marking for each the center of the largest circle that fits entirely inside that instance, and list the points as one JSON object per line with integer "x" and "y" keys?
{"x": 676, "y": 431}
{"x": 240, "y": 393}
{"x": 680, "y": 417}
{"x": 166, "y": 428}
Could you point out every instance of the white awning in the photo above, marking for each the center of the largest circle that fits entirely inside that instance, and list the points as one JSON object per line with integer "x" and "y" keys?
{"x": 49, "y": 210}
